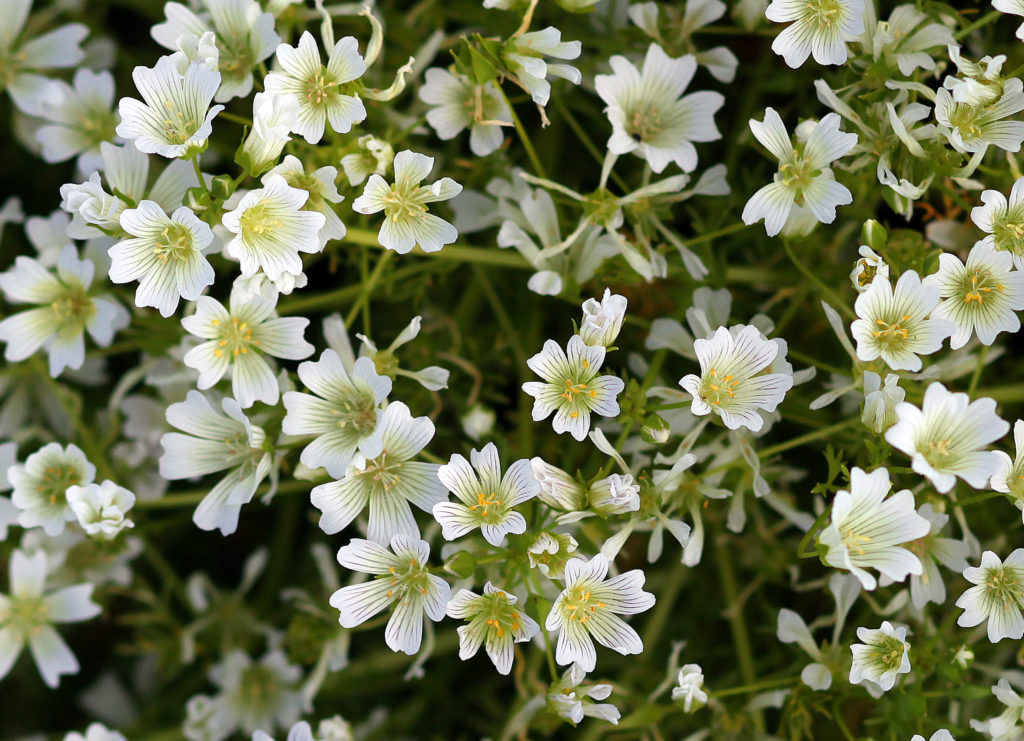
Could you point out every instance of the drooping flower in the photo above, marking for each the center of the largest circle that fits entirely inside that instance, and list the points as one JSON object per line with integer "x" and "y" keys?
{"x": 895, "y": 324}
{"x": 387, "y": 482}
{"x": 67, "y": 310}
{"x": 213, "y": 442}
{"x": 273, "y": 118}
{"x": 649, "y": 114}
{"x": 880, "y": 401}
{"x": 804, "y": 179}
{"x": 689, "y": 689}
{"x": 40, "y": 486}
{"x": 1002, "y": 219}
{"x": 981, "y": 296}
{"x": 524, "y": 56}
{"x": 736, "y": 381}
{"x": 614, "y": 495}
{"x": 495, "y": 621}
{"x": 238, "y": 338}
{"x": 588, "y": 610}
{"x": 28, "y": 612}
{"x": 820, "y": 28}
{"x": 602, "y": 319}
{"x": 407, "y": 222}
{"x": 271, "y": 229}
{"x": 867, "y": 268}
{"x": 401, "y": 578}
{"x": 883, "y": 655}
{"x": 558, "y": 489}
{"x": 343, "y": 414}
{"x": 946, "y": 437}
{"x": 997, "y": 596}
{"x": 867, "y": 529}
{"x": 486, "y": 497}
{"x": 569, "y": 698}
{"x": 572, "y": 388}
{"x": 457, "y": 104}
{"x": 101, "y": 509}
{"x": 323, "y": 92}
{"x": 165, "y": 254}
{"x": 176, "y": 117}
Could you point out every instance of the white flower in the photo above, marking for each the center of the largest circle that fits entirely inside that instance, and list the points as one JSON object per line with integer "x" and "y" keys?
{"x": 67, "y": 310}
{"x": 549, "y": 552}
{"x": 40, "y": 486}
{"x": 972, "y": 128}
{"x": 386, "y": 482}
{"x": 932, "y": 550}
{"x": 78, "y": 119}
{"x": 571, "y": 387}
{"x": 735, "y": 379}
{"x": 343, "y": 415}
{"x": 867, "y": 268}
{"x": 602, "y": 319}
{"x": 997, "y": 596}
{"x": 821, "y": 29}
{"x": 273, "y": 118}
{"x": 165, "y": 254}
{"x": 791, "y": 628}
{"x": 375, "y": 157}
{"x": 588, "y": 608}
{"x": 494, "y": 621}
{"x": 524, "y": 56}
{"x": 256, "y": 696}
{"x": 324, "y": 93}
{"x": 402, "y": 578}
{"x": 28, "y": 612}
{"x": 649, "y": 114}
{"x": 486, "y": 497}
{"x": 215, "y": 442}
{"x": 941, "y": 735}
{"x": 880, "y": 401}
{"x": 883, "y": 655}
{"x": 101, "y": 509}
{"x": 690, "y": 688}
{"x": 319, "y": 184}
{"x": 867, "y": 529}
{"x": 894, "y": 323}
{"x": 245, "y": 36}
{"x": 176, "y": 116}
{"x": 805, "y": 178}
{"x": 573, "y": 702}
{"x": 904, "y": 38}
{"x": 1009, "y": 475}
{"x": 99, "y": 211}
{"x": 1003, "y": 220}
{"x": 557, "y": 488}
{"x": 980, "y": 297}
{"x": 614, "y": 495}
{"x": 458, "y": 104}
{"x": 22, "y": 55}
{"x": 237, "y": 339}
{"x": 95, "y": 732}
{"x": 406, "y": 220}
{"x": 946, "y": 437}
{"x": 271, "y": 229}
{"x": 1007, "y": 725}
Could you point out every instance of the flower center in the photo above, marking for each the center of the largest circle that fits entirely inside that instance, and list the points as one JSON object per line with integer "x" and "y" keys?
{"x": 1008, "y": 231}
{"x": 717, "y": 388}
{"x": 965, "y": 118}
{"x": 644, "y": 122}
{"x": 54, "y": 482}
{"x": 891, "y": 332}
{"x": 889, "y": 652}
{"x": 257, "y": 220}
{"x": 25, "y": 614}
{"x": 178, "y": 128}
{"x": 579, "y": 605}
{"x": 489, "y": 507}
{"x": 318, "y": 88}
{"x": 412, "y": 579}
{"x": 977, "y": 284}
{"x": 357, "y": 414}
{"x": 855, "y": 542}
{"x": 405, "y": 200}
{"x": 235, "y": 337}
{"x": 937, "y": 452}
{"x": 234, "y": 56}
{"x": 382, "y": 472}
{"x": 823, "y": 13}
{"x": 175, "y": 244}
{"x": 74, "y": 309}
{"x": 259, "y": 688}
{"x": 1003, "y": 585}
{"x": 797, "y": 175}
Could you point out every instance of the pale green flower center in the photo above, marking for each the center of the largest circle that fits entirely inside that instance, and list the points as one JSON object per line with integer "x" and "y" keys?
{"x": 966, "y": 119}
{"x": 383, "y": 474}
{"x": 259, "y": 688}
{"x": 977, "y": 286}
{"x": 234, "y": 56}
{"x": 357, "y": 413}
{"x": 257, "y": 220}
{"x": 1003, "y": 586}
{"x": 577, "y": 393}
{"x": 489, "y": 507}
{"x": 235, "y": 337}
{"x": 855, "y": 542}
{"x": 888, "y": 652}
{"x": 1008, "y": 231}
{"x": 311, "y": 185}
{"x": 644, "y": 122}
{"x": 54, "y": 482}
{"x": 893, "y": 330}
{"x": 798, "y": 174}
{"x": 717, "y": 389}
{"x": 410, "y": 578}
{"x": 579, "y": 604}
{"x": 73, "y": 309}
{"x": 405, "y": 200}
{"x": 175, "y": 243}
{"x": 319, "y": 88}
{"x": 25, "y": 614}
{"x": 823, "y": 13}
{"x": 497, "y": 613}
{"x": 178, "y": 127}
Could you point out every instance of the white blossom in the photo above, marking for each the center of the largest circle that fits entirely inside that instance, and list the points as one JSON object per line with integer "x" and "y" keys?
{"x": 602, "y": 319}
{"x": 319, "y": 184}
{"x": 689, "y": 689}
{"x": 1002, "y": 219}
{"x": 524, "y": 56}
{"x": 882, "y": 656}
{"x": 820, "y": 28}
{"x": 101, "y": 509}
{"x": 972, "y": 128}
{"x": 495, "y": 621}
{"x": 457, "y": 104}
{"x": 1009, "y": 475}
{"x": 997, "y": 596}
{"x": 41, "y": 484}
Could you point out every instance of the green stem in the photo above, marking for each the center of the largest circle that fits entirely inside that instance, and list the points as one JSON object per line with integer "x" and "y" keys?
{"x": 524, "y": 137}
{"x": 194, "y": 496}
{"x": 766, "y": 684}
{"x": 199, "y": 173}
{"x": 983, "y": 21}
{"x": 832, "y": 296}
{"x": 368, "y": 286}
{"x": 976, "y": 376}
